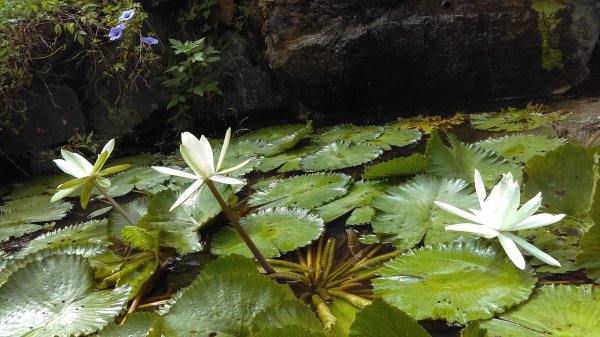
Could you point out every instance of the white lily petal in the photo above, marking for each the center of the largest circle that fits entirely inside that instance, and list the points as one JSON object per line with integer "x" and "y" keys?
{"x": 224, "y": 149}
{"x": 206, "y": 154}
{"x": 506, "y": 208}
{"x": 194, "y": 163}
{"x": 199, "y": 154}
{"x": 70, "y": 168}
{"x": 533, "y": 250}
{"x": 174, "y": 172}
{"x": 528, "y": 208}
{"x": 63, "y": 193}
{"x": 187, "y": 193}
{"x": 227, "y": 180}
{"x": 458, "y": 211}
{"x": 78, "y": 161}
{"x": 479, "y": 188}
{"x": 109, "y": 146}
{"x": 513, "y": 252}
{"x": 235, "y": 168}
{"x": 538, "y": 220}
{"x": 480, "y": 230}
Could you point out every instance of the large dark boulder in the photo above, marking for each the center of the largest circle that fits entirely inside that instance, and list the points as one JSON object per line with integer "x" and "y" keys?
{"x": 338, "y": 55}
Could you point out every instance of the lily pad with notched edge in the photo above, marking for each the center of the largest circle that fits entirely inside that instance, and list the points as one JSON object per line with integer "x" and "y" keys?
{"x": 384, "y": 320}
{"x": 552, "y": 311}
{"x": 349, "y": 133}
{"x": 402, "y": 166}
{"x": 272, "y": 140}
{"x": 512, "y": 119}
{"x": 55, "y": 296}
{"x": 285, "y": 314}
{"x": 137, "y": 324}
{"x": 520, "y": 148}
{"x": 273, "y": 230}
{"x": 304, "y": 191}
{"x": 141, "y": 178}
{"x": 406, "y": 213}
{"x": 339, "y": 155}
{"x": 396, "y": 136}
{"x": 360, "y": 194}
{"x": 589, "y": 252}
{"x": 288, "y": 160}
{"x": 361, "y": 215}
{"x": 457, "y": 282}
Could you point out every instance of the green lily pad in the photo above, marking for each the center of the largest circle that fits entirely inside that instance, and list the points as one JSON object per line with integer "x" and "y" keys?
{"x": 232, "y": 299}
{"x": 92, "y": 232}
{"x": 55, "y": 297}
{"x": 402, "y": 166}
{"x": 288, "y": 160}
{"x": 528, "y": 118}
{"x": 272, "y": 140}
{"x": 551, "y": 312}
{"x": 273, "y": 230}
{"x": 287, "y": 313}
{"x": 37, "y": 186}
{"x": 344, "y": 313}
{"x": 141, "y": 178}
{"x": 460, "y": 161}
{"x": 457, "y": 282}
{"x": 420, "y": 217}
{"x": 136, "y": 209}
{"x": 396, "y": 136}
{"x": 339, "y": 155}
{"x": 589, "y": 253}
{"x": 361, "y": 216}
{"x": 359, "y": 194}
{"x": 350, "y": 133}
{"x": 304, "y": 191}
{"x": 520, "y": 148}
{"x": 18, "y": 216}
{"x": 383, "y": 320}
{"x": 137, "y": 324}
{"x": 473, "y": 330}
{"x": 288, "y": 331}
{"x": 427, "y": 124}
{"x": 565, "y": 176}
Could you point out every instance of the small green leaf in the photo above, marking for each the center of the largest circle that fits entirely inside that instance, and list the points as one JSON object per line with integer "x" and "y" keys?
{"x": 528, "y": 118}
{"x": 350, "y": 133}
{"x": 383, "y": 320}
{"x": 339, "y": 155}
{"x": 402, "y": 166}
{"x": 287, "y": 313}
{"x": 137, "y": 324}
{"x": 359, "y": 194}
{"x": 396, "y": 136}
{"x": 520, "y": 148}
{"x": 361, "y": 216}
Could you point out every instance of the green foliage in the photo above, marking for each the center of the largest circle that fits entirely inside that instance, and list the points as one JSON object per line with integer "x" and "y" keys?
{"x": 402, "y": 166}
{"x": 349, "y": 133}
{"x": 520, "y": 148}
{"x": 137, "y": 324}
{"x": 273, "y": 140}
{"x": 529, "y": 118}
{"x": 193, "y": 74}
{"x": 383, "y": 320}
{"x": 339, "y": 155}
{"x": 285, "y": 314}
{"x": 396, "y": 136}
{"x": 359, "y": 194}
{"x": 273, "y": 231}
{"x": 458, "y": 282}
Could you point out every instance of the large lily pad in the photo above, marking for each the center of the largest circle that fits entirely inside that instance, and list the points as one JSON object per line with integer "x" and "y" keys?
{"x": 512, "y": 119}
{"x": 552, "y": 311}
{"x": 429, "y": 123}
{"x": 396, "y": 136}
{"x": 419, "y": 216}
{"x": 137, "y": 324}
{"x": 520, "y": 148}
{"x": 305, "y": 191}
{"x": 272, "y": 140}
{"x": 565, "y": 176}
{"x": 37, "y": 186}
{"x": 460, "y": 161}
{"x": 402, "y": 166}
{"x": 457, "y": 282}
{"x": 350, "y": 133}
{"x": 383, "y": 320}
{"x": 273, "y": 230}
{"x": 141, "y": 178}
{"x": 287, "y": 313}
{"x": 288, "y": 331}
{"x": 359, "y": 194}
{"x": 288, "y": 160}
{"x": 589, "y": 253}
{"x": 339, "y": 155}
{"x": 55, "y": 297}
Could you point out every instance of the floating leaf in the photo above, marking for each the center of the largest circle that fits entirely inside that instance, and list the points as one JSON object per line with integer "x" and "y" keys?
{"x": 55, "y": 297}
{"x": 339, "y": 155}
{"x": 589, "y": 253}
{"x": 288, "y": 160}
{"x": 343, "y": 313}
{"x": 349, "y": 133}
{"x": 460, "y": 161}
{"x": 141, "y": 178}
{"x": 473, "y": 330}
{"x": 100, "y": 211}
{"x": 289, "y": 331}
{"x": 402, "y": 166}
{"x": 37, "y": 186}
{"x": 565, "y": 176}
{"x": 361, "y": 215}
{"x": 359, "y": 194}
{"x": 528, "y": 118}
{"x": 520, "y": 148}
{"x": 420, "y": 217}
{"x": 396, "y": 136}
{"x": 136, "y": 209}
{"x": 552, "y": 312}
{"x": 92, "y": 232}
{"x": 458, "y": 282}
{"x": 275, "y": 139}
{"x": 429, "y": 123}
{"x": 305, "y": 191}
{"x": 287, "y": 313}
{"x": 137, "y": 324}
{"x": 231, "y": 263}
{"x": 273, "y": 230}
{"x": 232, "y": 299}
{"x": 383, "y": 320}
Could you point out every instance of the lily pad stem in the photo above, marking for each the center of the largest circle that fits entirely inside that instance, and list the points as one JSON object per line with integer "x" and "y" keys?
{"x": 234, "y": 220}
{"x": 115, "y": 204}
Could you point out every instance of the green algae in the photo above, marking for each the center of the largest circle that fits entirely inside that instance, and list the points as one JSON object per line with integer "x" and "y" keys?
{"x": 548, "y": 23}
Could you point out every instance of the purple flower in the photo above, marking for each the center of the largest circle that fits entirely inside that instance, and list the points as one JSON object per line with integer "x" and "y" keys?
{"x": 115, "y": 33}
{"x": 126, "y": 15}
{"x": 149, "y": 40}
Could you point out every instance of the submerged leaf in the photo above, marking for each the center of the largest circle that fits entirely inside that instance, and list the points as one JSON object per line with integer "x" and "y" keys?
{"x": 420, "y": 217}
{"x": 402, "y": 166}
{"x": 55, "y": 297}
{"x": 383, "y": 320}
{"x": 273, "y": 230}
{"x": 304, "y": 191}
{"x": 458, "y": 282}
{"x": 552, "y": 312}
{"x": 339, "y": 155}
{"x": 528, "y": 118}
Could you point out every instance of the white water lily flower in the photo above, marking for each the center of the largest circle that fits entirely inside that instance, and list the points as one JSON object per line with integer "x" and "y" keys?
{"x": 86, "y": 174}
{"x": 500, "y": 214}
{"x": 198, "y": 155}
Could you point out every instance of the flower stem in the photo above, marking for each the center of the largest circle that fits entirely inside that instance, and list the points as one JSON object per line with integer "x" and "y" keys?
{"x": 234, "y": 220}
{"x": 115, "y": 204}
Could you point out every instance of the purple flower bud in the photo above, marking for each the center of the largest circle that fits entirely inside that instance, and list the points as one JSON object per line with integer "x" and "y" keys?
{"x": 149, "y": 40}
{"x": 126, "y": 15}
{"x": 115, "y": 33}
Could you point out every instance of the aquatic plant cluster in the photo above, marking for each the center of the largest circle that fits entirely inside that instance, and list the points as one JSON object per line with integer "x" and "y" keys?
{"x": 421, "y": 240}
